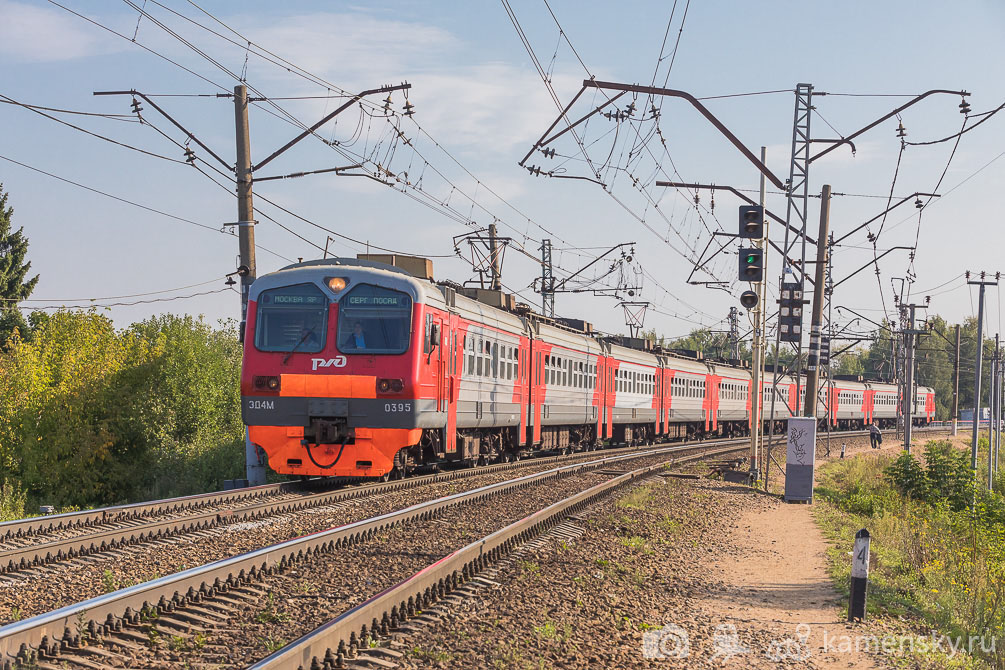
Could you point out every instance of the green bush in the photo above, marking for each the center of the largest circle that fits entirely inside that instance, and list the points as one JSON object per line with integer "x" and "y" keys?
{"x": 90, "y": 415}
{"x": 12, "y": 498}
{"x": 938, "y": 542}
{"x": 946, "y": 477}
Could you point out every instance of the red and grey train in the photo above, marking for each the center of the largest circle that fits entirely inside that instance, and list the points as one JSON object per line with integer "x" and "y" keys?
{"x": 354, "y": 368}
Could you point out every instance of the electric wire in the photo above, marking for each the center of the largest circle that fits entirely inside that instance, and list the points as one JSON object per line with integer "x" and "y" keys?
{"x": 133, "y": 203}
{"x": 118, "y": 297}
{"x": 133, "y": 303}
{"x": 142, "y": 46}
{"x": 112, "y": 117}
{"x": 88, "y": 132}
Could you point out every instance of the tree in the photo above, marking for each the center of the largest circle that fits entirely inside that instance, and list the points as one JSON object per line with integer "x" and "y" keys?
{"x": 14, "y": 284}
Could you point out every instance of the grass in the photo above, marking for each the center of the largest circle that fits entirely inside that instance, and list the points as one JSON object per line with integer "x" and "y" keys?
{"x": 272, "y": 644}
{"x": 639, "y": 498}
{"x": 431, "y": 655}
{"x": 268, "y": 614}
{"x": 932, "y": 567}
{"x": 550, "y": 631}
{"x": 109, "y": 581}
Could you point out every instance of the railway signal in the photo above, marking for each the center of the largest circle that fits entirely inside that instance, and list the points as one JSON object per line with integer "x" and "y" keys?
{"x": 751, "y": 222}
{"x": 790, "y": 312}
{"x": 748, "y": 299}
{"x": 825, "y": 352}
{"x": 751, "y": 264}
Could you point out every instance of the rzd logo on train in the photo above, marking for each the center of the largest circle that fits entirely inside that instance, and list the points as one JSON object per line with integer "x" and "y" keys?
{"x": 337, "y": 362}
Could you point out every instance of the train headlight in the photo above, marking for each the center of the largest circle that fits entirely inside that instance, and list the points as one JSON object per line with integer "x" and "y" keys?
{"x": 266, "y": 383}
{"x": 337, "y": 284}
{"x": 390, "y": 386}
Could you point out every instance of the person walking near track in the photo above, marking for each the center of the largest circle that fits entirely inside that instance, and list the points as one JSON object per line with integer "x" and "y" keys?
{"x": 875, "y": 436}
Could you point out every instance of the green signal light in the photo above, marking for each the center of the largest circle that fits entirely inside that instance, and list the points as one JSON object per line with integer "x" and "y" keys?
{"x": 751, "y": 258}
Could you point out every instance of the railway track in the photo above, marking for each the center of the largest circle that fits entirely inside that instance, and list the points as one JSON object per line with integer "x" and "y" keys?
{"x": 188, "y": 602}
{"x": 193, "y": 599}
{"x": 30, "y": 544}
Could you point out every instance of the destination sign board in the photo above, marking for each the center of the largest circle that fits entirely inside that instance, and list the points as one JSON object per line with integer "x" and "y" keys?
{"x": 391, "y": 301}
{"x": 298, "y": 299}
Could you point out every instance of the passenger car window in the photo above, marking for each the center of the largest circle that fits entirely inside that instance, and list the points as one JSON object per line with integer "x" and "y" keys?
{"x": 374, "y": 320}
{"x": 291, "y": 317}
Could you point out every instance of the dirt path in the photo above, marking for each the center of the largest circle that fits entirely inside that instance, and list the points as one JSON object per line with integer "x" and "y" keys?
{"x": 774, "y": 580}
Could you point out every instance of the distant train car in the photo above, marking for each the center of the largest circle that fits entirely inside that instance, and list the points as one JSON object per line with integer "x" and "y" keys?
{"x": 355, "y": 368}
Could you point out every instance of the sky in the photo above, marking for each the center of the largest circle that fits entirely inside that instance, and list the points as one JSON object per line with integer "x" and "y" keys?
{"x": 479, "y": 106}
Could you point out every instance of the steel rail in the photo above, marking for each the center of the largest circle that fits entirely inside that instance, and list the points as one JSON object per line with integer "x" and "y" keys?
{"x": 57, "y": 522}
{"x": 23, "y": 558}
{"x": 44, "y": 635}
{"x": 340, "y": 638}
{"x": 63, "y": 549}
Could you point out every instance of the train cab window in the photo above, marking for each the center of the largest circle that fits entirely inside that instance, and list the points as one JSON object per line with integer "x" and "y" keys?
{"x": 291, "y": 318}
{"x": 375, "y": 320}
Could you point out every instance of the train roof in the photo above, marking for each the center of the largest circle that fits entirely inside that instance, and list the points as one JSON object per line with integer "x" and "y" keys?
{"x": 451, "y": 296}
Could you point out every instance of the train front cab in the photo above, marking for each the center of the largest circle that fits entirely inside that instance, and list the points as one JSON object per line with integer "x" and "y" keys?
{"x": 340, "y": 368}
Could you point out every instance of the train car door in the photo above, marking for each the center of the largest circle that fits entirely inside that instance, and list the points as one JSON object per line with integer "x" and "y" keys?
{"x": 535, "y": 397}
{"x": 452, "y": 344}
{"x": 444, "y": 354}
{"x": 611, "y": 396}
{"x": 712, "y": 384}
{"x": 521, "y": 388}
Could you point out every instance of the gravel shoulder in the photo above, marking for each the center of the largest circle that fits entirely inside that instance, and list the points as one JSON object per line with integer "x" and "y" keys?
{"x": 674, "y": 573}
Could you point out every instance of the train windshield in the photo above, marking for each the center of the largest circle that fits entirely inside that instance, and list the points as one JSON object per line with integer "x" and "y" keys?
{"x": 291, "y": 319}
{"x": 374, "y": 320}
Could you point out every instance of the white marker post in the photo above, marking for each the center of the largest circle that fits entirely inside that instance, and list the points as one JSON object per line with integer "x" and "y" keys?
{"x": 859, "y": 576}
{"x": 800, "y": 459}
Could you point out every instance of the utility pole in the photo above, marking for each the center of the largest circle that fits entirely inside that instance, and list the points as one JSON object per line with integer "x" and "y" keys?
{"x": 998, "y": 408}
{"x": 254, "y": 469}
{"x": 496, "y": 284}
{"x": 734, "y": 332}
{"x": 245, "y": 205}
{"x": 547, "y": 280}
{"x": 757, "y": 350}
{"x": 813, "y": 363}
{"x": 910, "y": 395}
{"x": 992, "y": 410}
{"x": 982, "y": 283}
{"x": 243, "y": 170}
{"x": 956, "y": 383}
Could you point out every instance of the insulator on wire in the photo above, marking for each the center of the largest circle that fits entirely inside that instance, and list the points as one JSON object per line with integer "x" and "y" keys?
{"x": 409, "y": 108}
{"x": 918, "y": 203}
{"x": 964, "y": 107}
{"x": 387, "y": 103}
{"x": 189, "y": 156}
{"x": 548, "y": 153}
{"x": 901, "y": 132}
{"x": 136, "y": 106}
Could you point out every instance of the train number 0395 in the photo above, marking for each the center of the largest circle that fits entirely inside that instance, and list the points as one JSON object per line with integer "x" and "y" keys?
{"x": 397, "y": 407}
